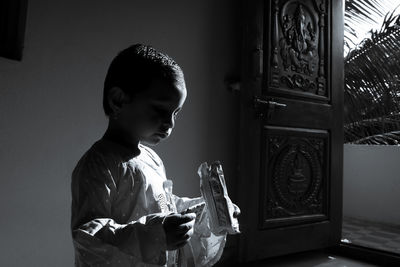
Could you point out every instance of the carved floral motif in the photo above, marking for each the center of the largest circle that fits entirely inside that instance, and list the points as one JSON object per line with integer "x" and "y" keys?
{"x": 297, "y": 81}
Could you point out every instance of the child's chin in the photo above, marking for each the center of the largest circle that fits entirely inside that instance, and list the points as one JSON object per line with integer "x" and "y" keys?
{"x": 153, "y": 140}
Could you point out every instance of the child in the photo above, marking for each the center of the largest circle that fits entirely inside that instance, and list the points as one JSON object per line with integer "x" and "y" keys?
{"x": 122, "y": 213}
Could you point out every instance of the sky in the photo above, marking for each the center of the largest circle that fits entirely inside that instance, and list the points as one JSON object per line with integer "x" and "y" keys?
{"x": 362, "y": 28}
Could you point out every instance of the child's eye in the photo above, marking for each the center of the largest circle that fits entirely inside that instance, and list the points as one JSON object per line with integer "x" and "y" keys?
{"x": 160, "y": 110}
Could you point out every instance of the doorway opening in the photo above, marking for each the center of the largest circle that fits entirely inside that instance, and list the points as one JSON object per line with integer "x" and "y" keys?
{"x": 371, "y": 180}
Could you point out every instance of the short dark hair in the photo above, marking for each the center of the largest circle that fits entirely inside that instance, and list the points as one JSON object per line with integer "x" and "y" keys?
{"x": 135, "y": 67}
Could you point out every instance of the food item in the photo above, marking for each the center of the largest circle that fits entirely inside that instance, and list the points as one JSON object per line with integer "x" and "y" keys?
{"x": 218, "y": 203}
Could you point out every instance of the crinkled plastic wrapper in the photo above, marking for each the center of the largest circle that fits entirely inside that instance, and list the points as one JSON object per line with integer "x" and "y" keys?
{"x": 218, "y": 203}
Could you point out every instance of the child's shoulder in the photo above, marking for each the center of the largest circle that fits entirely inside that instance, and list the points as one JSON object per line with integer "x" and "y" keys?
{"x": 107, "y": 156}
{"x": 94, "y": 156}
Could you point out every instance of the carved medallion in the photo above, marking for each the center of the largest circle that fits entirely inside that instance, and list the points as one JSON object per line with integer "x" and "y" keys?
{"x": 295, "y": 176}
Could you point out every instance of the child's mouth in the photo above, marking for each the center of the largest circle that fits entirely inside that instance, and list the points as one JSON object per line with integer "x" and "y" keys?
{"x": 162, "y": 135}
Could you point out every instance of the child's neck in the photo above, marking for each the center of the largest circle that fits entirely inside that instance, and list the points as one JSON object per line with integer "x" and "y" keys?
{"x": 116, "y": 135}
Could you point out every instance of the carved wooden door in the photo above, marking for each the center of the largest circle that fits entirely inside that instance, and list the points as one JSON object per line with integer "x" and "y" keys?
{"x": 290, "y": 186}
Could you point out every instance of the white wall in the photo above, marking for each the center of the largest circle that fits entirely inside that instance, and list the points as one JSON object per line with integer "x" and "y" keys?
{"x": 50, "y": 107}
{"x": 371, "y": 183}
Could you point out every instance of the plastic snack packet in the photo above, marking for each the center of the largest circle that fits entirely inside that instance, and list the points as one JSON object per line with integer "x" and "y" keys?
{"x": 218, "y": 203}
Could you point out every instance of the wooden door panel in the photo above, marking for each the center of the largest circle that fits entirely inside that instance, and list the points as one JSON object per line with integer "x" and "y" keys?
{"x": 290, "y": 239}
{"x": 299, "y": 54}
{"x": 291, "y": 127}
{"x": 295, "y": 176}
{"x": 298, "y": 113}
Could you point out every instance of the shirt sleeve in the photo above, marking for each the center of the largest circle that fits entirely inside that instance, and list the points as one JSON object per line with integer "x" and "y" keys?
{"x": 98, "y": 238}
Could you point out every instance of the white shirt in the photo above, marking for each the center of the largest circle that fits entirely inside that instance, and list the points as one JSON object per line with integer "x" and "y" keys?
{"x": 118, "y": 204}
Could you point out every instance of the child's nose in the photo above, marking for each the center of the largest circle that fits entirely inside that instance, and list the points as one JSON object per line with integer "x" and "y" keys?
{"x": 169, "y": 122}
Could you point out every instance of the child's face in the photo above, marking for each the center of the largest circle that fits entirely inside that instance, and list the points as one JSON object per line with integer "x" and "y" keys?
{"x": 150, "y": 116}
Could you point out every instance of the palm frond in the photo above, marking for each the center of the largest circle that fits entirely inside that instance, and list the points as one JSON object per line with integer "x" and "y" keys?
{"x": 358, "y": 14}
{"x": 390, "y": 138}
{"x": 372, "y": 81}
{"x": 369, "y": 127}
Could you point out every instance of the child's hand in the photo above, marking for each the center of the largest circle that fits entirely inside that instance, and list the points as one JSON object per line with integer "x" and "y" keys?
{"x": 236, "y": 213}
{"x": 178, "y": 229}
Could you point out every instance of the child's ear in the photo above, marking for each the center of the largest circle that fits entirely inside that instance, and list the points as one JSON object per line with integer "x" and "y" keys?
{"x": 116, "y": 98}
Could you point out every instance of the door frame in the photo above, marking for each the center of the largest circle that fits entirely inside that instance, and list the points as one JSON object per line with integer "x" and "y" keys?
{"x": 370, "y": 255}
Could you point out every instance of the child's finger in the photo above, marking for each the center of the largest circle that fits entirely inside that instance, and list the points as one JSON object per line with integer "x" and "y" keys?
{"x": 180, "y": 240}
{"x": 184, "y": 228}
{"x": 236, "y": 211}
{"x": 177, "y": 219}
{"x": 187, "y": 217}
{"x": 187, "y": 235}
